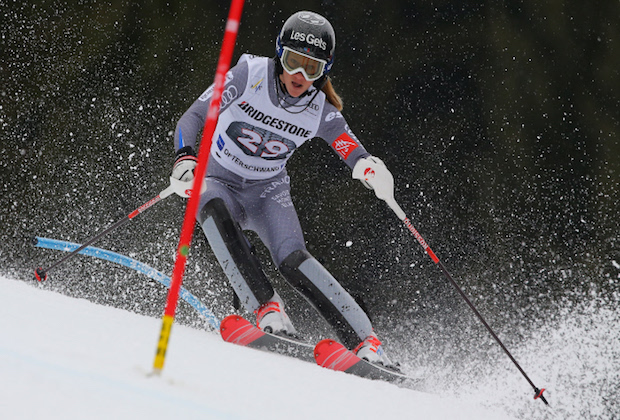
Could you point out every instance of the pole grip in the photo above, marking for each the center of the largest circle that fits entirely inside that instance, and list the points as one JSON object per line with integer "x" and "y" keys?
{"x": 396, "y": 209}
{"x": 167, "y": 192}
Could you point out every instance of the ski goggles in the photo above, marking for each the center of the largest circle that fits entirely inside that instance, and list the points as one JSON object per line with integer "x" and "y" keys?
{"x": 295, "y": 62}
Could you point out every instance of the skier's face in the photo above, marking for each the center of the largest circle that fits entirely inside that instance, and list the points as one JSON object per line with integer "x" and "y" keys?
{"x": 296, "y": 84}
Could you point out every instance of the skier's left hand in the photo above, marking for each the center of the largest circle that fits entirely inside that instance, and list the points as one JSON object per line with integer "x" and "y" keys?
{"x": 376, "y": 176}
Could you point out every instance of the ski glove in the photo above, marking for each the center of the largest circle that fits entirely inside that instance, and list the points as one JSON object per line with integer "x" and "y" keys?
{"x": 375, "y": 176}
{"x": 184, "y": 164}
{"x": 182, "y": 177}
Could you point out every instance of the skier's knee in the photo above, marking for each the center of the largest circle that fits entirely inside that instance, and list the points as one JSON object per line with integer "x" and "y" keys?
{"x": 294, "y": 260}
{"x": 216, "y": 208}
{"x": 235, "y": 255}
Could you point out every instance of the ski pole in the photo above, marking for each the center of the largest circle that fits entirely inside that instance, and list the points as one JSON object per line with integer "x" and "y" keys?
{"x": 374, "y": 174}
{"x": 41, "y": 273}
{"x": 538, "y": 393}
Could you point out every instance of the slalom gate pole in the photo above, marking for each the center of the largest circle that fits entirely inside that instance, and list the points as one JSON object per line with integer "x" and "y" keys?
{"x": 228, "y": 45}
{"x": 41, "y": 273}
{"x": 140, "y": 267}
{"x": 538, "y": 393}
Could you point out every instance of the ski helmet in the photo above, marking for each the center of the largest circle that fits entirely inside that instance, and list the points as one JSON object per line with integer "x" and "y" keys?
{"x": 312, "y": 36}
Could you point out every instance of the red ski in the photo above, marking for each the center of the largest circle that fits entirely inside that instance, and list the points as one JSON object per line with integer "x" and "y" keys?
{"x": 237, "y": 330}
{"x": 331, "y": 354}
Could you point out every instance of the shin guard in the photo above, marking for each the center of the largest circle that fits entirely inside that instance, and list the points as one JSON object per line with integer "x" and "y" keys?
{"x": 330, "y": 299}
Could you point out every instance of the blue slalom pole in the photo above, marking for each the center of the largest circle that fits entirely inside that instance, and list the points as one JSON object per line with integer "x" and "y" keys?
{"x": 134, "y": 265}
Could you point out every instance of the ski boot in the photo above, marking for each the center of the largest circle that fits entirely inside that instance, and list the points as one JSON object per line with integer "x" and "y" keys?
{"x": 372, "y": 351}
{"x": 271, "y": 318}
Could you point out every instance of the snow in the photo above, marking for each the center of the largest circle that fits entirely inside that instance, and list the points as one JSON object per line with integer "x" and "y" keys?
{"x": 66, "y": 358}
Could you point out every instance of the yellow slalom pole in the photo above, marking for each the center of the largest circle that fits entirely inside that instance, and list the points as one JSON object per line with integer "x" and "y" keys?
{"x": 162, "y": 344}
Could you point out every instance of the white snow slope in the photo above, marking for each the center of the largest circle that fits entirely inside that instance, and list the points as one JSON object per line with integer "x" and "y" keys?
{"x": 65, "y": 358}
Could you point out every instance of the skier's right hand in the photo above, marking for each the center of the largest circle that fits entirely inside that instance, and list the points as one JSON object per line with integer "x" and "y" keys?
{"x": 182, "y": 177}
{"x": 184, "y": 164}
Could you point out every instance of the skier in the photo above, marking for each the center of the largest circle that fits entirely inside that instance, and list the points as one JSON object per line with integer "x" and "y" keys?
{"x": 270, "y": 107}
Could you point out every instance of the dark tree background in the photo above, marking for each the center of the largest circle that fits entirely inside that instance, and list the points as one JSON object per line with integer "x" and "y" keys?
{"x": 498, "y": 119}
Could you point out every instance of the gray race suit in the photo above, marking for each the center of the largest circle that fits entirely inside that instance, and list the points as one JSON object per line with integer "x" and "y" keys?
{"x": 258, "y": 130}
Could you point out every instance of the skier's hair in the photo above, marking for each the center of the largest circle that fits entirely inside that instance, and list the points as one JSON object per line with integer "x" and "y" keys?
{"x": 332, "y": 97}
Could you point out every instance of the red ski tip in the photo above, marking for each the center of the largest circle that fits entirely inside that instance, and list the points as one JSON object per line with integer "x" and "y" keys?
{"x": 40, "y": 274}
